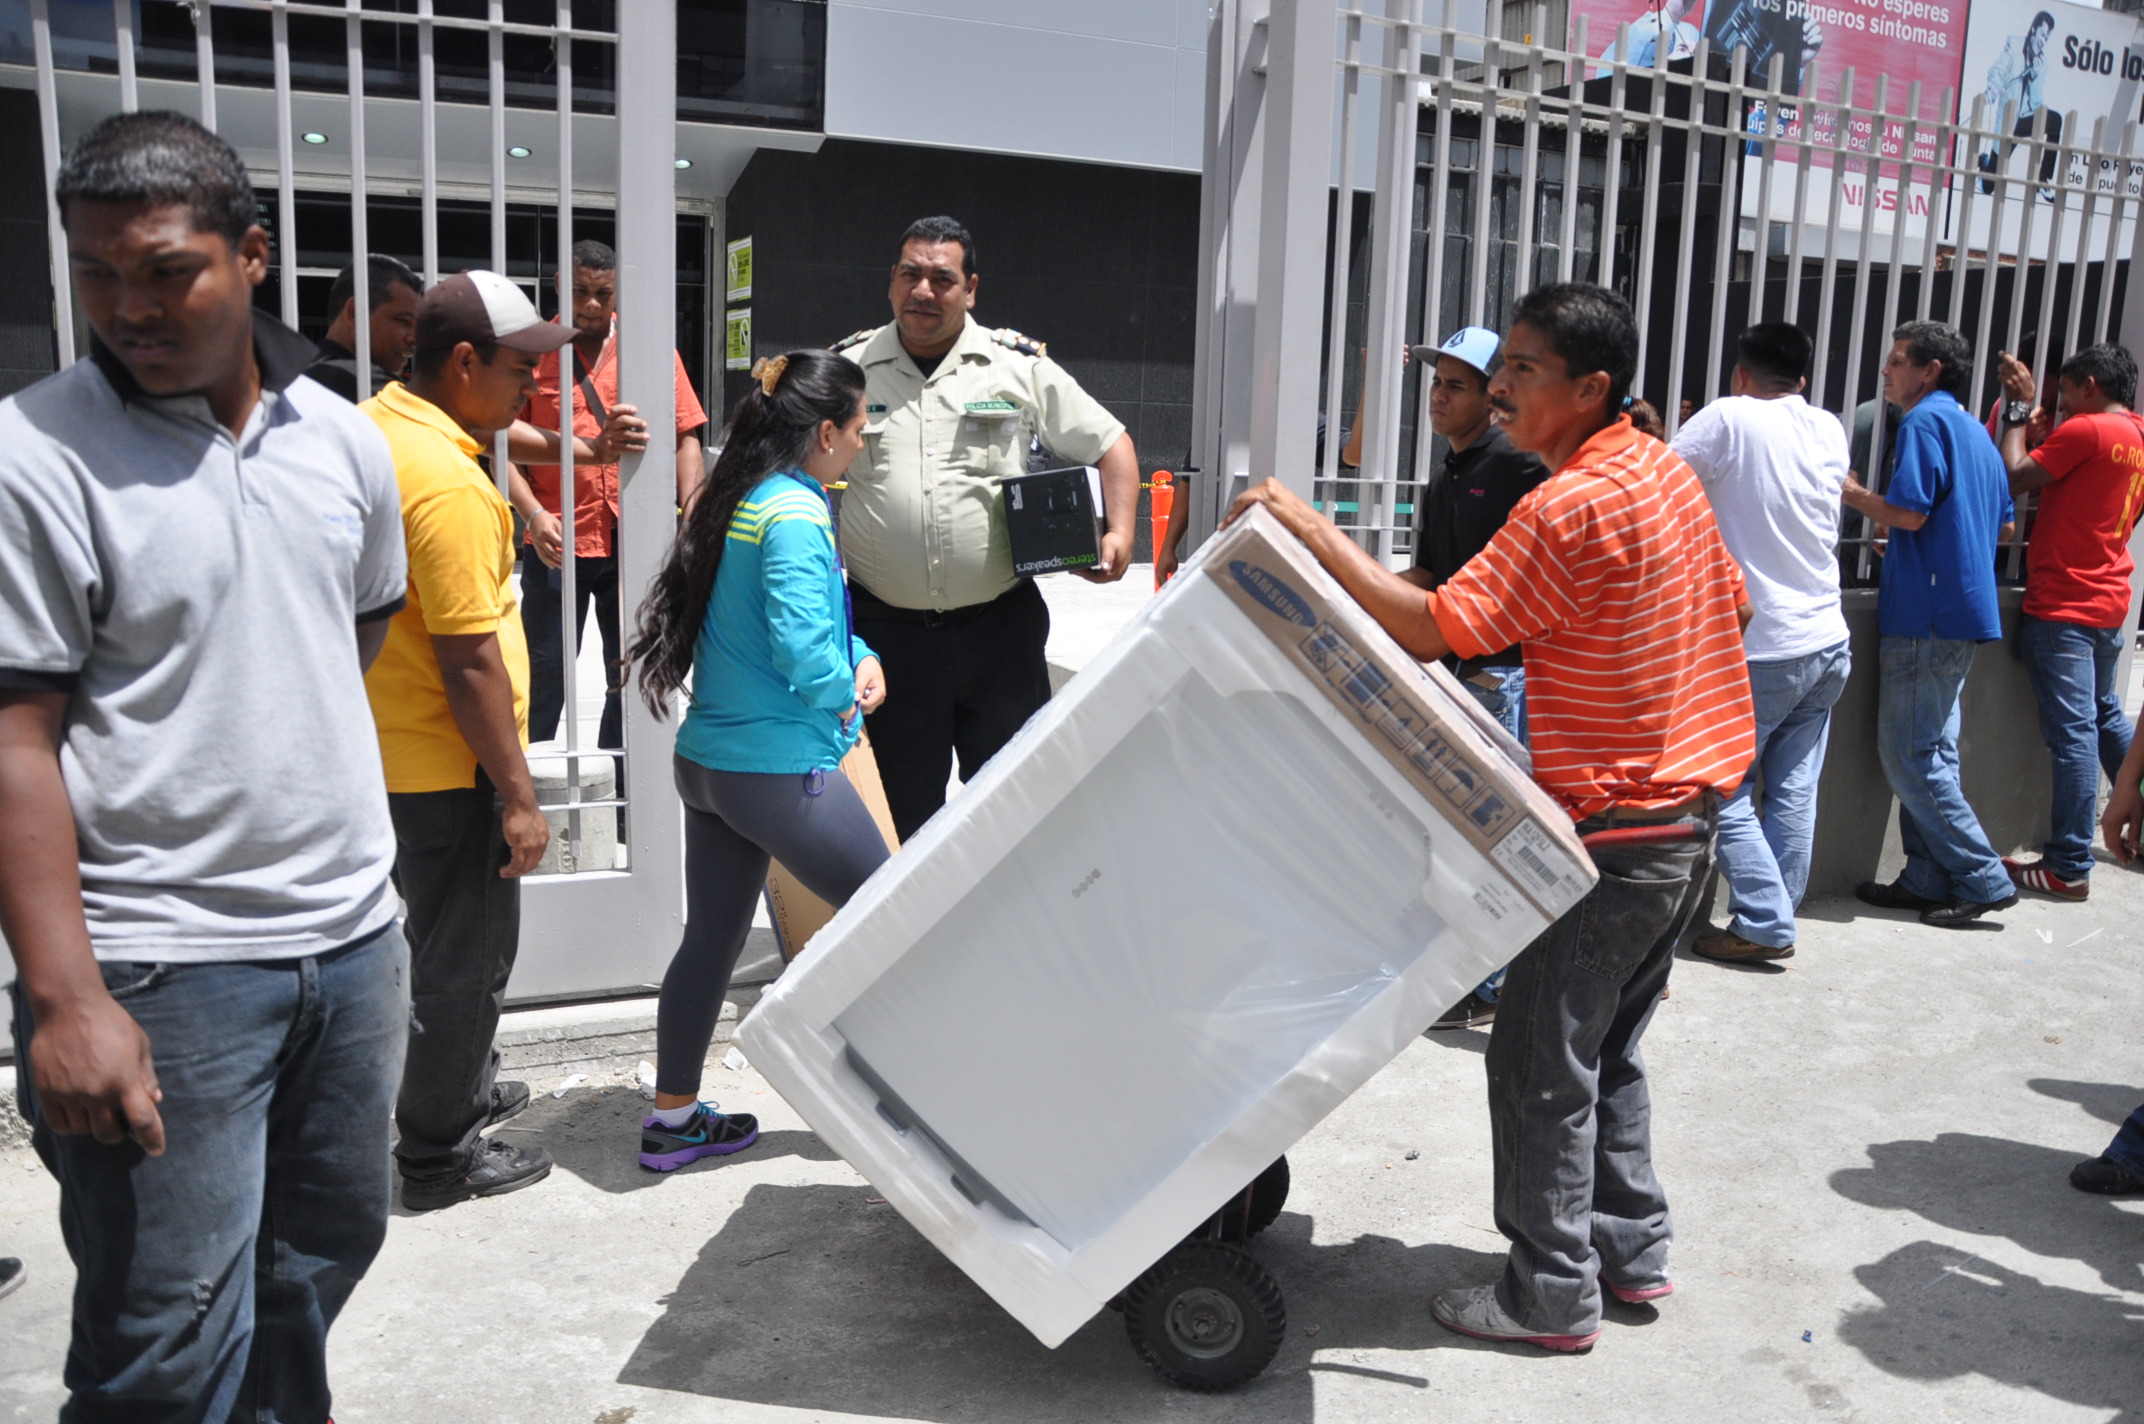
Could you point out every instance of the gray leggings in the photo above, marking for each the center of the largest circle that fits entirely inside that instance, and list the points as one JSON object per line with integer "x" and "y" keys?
{"x": 815, "y": 824}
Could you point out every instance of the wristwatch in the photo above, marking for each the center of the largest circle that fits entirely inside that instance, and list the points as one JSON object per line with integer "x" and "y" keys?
{"x": 2016, "y": 413}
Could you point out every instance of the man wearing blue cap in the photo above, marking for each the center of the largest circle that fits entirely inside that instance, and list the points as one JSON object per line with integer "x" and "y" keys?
{"x": 1468, "y": 498}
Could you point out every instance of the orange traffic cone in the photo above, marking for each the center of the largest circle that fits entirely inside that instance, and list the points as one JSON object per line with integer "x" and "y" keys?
{"x": 1163, "y": 499}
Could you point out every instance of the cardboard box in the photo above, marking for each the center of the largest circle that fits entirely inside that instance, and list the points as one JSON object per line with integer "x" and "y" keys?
{"x": 1231, "y": 871}
{"x": 1055, "y": 519}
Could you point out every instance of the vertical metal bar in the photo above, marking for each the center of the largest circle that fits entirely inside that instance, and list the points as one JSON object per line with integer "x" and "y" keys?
{"x": 1612, "y": 175}
{"x": 1573, "y": 154}
{"x": 1294, "y": 183}
{"x": 1965, "y": 157}
{"x": 2081, "y": 262}
{"x": 2104, "y": 327}
{"x": 205, "y": 60}
{"x": 647, "y": 268}
{"x": 1937, "y": 154}
{"x": 1828, "y": 287}
{"x": 1649, "y": 217}
{"x": 2028, "y": 215}
{"x": 1805, "y": 120}
{"x": 2046, "y": 350}
{"x": 1729, "y": 226}
{"x": 428, "y": 144}
{"x": 1991, "y": 266}
{"x": 1530, "y": 163}
{"x": 1895, "y": 259}
{"x": 123, "y": 43}
{"x": 495, "y": 38}
{"x": 568, "y": 486}
{"x": 1433, "y": 259}
{"x": 1760, "y": 269}
{"x": 286, "y": 198}
{"x": 1856, "y": 333}
{"x": 1484, "y": 172}
{"x": 1385, "y": 316}
{"x": 1693, "y": 143}
{"x": 360, "y": 225}
{"x": 48, "y": 133}
{"x": 1337, "y": 353}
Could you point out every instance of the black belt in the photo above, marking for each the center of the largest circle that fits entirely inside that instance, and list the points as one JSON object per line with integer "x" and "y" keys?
{"x": 869, "y": 605}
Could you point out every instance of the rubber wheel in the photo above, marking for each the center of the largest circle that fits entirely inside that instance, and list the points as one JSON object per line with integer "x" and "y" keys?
{"x": 1269, "y": 1193}
{"x": 1206, "y": 1317}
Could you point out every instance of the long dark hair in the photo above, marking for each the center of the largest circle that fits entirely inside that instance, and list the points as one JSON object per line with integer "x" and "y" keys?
{"x": 766, "y": 432}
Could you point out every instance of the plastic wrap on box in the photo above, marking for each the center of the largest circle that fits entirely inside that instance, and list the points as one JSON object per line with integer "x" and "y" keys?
{"x": 1226, "y": 875}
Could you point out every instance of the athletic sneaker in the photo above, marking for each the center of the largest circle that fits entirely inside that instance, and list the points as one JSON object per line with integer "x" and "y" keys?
{"x": 498, "y": 1168}
{"x": 1639, "y": 1295}
{"x": 706, "y": 1133}
{"x": 1472, "y": 1311}
{"x": 2036, "y": 875}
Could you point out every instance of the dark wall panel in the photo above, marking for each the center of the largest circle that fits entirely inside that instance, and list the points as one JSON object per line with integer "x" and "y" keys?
{"x": 1100, "y": 262}
{"x": 28, "y": 352}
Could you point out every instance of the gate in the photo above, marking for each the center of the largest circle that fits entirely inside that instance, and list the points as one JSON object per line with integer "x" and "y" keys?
{"x": 609, "y": 920}
{"x": 1378, "y": 174}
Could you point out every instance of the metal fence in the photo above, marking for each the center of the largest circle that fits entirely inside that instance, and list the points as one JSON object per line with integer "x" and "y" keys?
{"x": 1706, "y": 194}
{"x": 604, "y": 921}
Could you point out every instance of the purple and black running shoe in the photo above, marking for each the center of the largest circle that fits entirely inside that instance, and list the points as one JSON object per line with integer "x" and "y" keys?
{"x": 706, "y": 1134}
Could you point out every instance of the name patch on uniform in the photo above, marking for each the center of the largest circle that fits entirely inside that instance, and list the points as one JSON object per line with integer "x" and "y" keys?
{"x": 991, "y": 407}
{"x": 874, "y": 410}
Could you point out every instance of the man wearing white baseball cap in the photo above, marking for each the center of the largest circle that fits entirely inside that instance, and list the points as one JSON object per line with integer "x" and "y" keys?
{"x": 1469, "y": 496}
{"x": 449, "y": 695}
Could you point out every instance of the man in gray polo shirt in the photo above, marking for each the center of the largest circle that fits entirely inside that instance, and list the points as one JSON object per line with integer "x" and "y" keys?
{"x": 198, "y": 552}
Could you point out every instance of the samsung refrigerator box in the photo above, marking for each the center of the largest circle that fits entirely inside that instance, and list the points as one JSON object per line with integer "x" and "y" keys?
{"x": 1236, "y": 867}
{"x": 1055, "y": 520}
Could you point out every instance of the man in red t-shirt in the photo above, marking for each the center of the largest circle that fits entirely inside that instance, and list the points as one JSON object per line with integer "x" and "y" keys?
{"x": 595, "y": 500}
{"x": 1613, "y": 577}
{"x": 2090, "y": 474}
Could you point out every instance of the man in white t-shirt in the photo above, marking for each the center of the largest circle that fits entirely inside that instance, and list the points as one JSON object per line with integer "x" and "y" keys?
{"x": 1773, "y": 466}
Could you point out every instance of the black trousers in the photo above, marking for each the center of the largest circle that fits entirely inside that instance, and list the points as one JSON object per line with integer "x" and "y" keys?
{"x": 464, "y": 926}
{"x": 962, "y": 681}
{"x": 595, "y": 579}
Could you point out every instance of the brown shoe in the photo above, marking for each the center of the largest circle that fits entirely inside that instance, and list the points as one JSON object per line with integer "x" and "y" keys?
{"x": 1730, "y": 948}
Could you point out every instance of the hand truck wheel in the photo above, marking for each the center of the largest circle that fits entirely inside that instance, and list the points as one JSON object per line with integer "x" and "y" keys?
{"x": 1207, "y": 1316}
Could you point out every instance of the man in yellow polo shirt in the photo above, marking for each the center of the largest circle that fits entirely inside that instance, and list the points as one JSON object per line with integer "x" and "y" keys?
{"x": 450, "y": 695}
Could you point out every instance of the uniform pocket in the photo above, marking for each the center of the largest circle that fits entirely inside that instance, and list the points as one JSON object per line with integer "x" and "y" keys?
{"x": 989, "y": 442}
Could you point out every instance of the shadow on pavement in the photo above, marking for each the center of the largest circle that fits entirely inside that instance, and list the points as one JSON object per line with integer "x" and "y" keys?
{"x": 1989, "y": 1186}
{"x": 595, "y": 1135}
{"x": 2109, "y": 1102}
{"x": 1946, "y": 1315}
{"x": 818, "y": 1297}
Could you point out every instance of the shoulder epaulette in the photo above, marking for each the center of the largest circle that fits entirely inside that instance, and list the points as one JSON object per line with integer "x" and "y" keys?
{"x": 857, "y": 339}
{"x": 1025, "y": 345}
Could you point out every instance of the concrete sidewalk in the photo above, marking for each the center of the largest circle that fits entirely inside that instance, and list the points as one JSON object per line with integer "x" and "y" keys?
{"x": 1866, "y": 1150}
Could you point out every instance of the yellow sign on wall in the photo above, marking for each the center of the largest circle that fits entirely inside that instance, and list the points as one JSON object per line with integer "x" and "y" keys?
{"x": 737, "y": 340}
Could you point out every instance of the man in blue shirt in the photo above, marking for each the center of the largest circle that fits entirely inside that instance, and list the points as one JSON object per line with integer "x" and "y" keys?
{"x": 1947, "y": 509}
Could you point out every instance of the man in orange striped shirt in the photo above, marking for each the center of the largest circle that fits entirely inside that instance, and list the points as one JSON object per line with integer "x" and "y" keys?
{"x": 1613, "y": 577}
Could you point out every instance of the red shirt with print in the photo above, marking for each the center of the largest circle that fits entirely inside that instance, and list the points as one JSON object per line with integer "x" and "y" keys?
{"x": 2078, "y": 566}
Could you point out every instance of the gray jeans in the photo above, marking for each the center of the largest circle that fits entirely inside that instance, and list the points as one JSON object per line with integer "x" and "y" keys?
{"x": 1570, "y": 1116}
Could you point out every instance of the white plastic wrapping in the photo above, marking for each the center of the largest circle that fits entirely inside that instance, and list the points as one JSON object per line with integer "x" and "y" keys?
{"x": 1225, "y": 876}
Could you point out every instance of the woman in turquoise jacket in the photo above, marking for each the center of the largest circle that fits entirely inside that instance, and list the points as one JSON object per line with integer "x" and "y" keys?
{"x": 751, "y": 610}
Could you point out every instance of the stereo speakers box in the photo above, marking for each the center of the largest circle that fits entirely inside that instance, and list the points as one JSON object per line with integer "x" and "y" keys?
{"x": 1233, "y": 869}
{"x": 1055, "y": 519}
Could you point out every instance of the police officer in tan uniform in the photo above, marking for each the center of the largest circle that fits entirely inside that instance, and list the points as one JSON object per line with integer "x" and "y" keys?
{"x": 951, "y": 408}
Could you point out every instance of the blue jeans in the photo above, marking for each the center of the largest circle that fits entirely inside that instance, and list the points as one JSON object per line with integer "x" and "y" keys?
{"x": 1507, "y": 704}
{"x": 2127, "y": 1149}
{"x": 1947, "y": 853}
{"x": 2082, "y": 722}
{"x": 207, "y": 1278}
{"x": 1766, "y": 859}
{"x": 595, "y": 580}
{"x": 1570, "y": 1114}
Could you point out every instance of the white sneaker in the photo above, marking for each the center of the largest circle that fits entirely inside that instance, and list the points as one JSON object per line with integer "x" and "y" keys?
{"x": 1473, "y": 1311}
